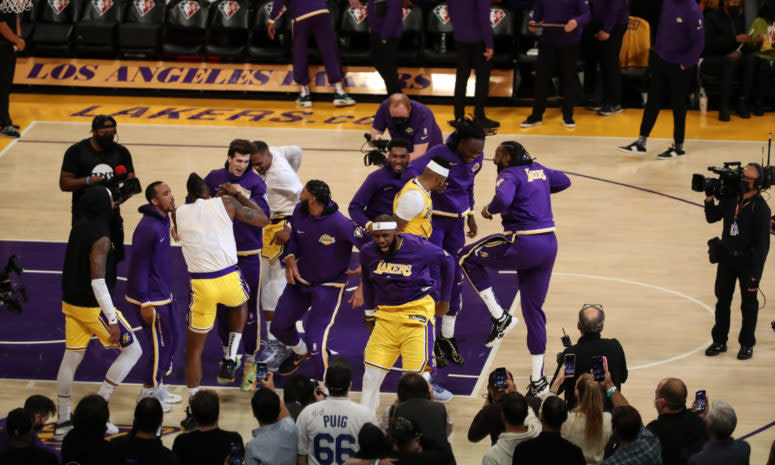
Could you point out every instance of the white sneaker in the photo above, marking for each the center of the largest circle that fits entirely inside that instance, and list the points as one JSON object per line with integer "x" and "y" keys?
{"x": 168, "y": 397}
{"x": 343, "y": 100}
{"x": 153, "y": 392}
{"x": 61, "y": 430}
{"x": 110, "y": 428}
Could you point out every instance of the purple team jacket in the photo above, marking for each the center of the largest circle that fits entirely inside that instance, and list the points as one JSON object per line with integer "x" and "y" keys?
{"x": 410, "y": 279}
{"x": 387, "y": 23}
{"x": 297, "y": 8}
{"x": 148, "y": 279}
{"x": 561, "y": 11}
{"x": 681, "y": 35}
{"x": 375, "y": 196}
{"x": 420, "y": 129}
{"x": 471, "y": 20}
{"x": 522, "y": 196}
{"x": 458, "y": 198}
{"x": 323, "y": 245}
{"x": 248, "y": 238}
{"x": 610, "y": 13}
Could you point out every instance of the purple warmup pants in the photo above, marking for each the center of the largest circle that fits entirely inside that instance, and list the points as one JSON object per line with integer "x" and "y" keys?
{"x": 449, "y": 234}
{"x": 159, "y": 341}
{"x": 320, "y": 26}
{"x": 323, "y": 303}
{"x": 255, "y": 328}
{"x": 532, "y": 256}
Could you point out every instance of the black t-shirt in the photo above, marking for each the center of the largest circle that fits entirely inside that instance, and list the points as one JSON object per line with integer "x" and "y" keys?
{"x": 28, "y": 455}
{"x": 138, "y": 451}
{"x": 10, "y": 20}
{"x": 85, "y": 450}
{"x": 82, "y": 160}
{"x": 206, "y": 447}
{"x": 681, "y": 435}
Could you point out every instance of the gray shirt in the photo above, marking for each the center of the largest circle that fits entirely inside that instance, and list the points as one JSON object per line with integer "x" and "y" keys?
{"x": 274, "y": 444}
{"x": 731, "y": 452}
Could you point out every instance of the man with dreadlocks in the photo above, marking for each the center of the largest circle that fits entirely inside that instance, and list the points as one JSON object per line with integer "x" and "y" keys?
{"x": 452, "y": 210}
{"x": 528, "y": 245}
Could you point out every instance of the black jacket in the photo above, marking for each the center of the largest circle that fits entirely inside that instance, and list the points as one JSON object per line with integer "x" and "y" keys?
{"x": 588, "y": 346}
{"x": 720, "y": 32}
{"x": 138, "y": 451}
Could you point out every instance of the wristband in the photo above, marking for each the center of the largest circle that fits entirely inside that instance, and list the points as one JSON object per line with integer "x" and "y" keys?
{"x": 611, "y": 391}
{"x": 369, "y": 313}
{"x": 87, "y": 179}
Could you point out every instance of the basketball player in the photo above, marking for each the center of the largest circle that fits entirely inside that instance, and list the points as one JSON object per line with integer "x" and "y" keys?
{"x": 412, "y": 206}
{"x": 278, "y": 166}
{"x": 237, "y": 171}
{"x": 528, "y": 245}
{"x": 397, "y": 283}
{"x": 311, "y": 18}
{"x": 452, "y": 210}
{"x": 204, "y": 229}
{"x": 316, "y": 258}
{"x": 149, "y": 291}
{"x": 88, "y": 276}
{"x": 376, "y": 194}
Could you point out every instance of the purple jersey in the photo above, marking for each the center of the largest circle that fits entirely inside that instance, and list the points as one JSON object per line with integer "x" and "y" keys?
{"x": 248, "y": 238}
{"x": 323, "y": 245}
{"x": 610, "y": 13}
{"x": 148, "y": 279}
{"x": 680, "y": 37}
{"x": 375, "y": 196}
{"x": 458, "y": 198}
{"x": 522, "y": 197}
{"x": 298, "y": 8}
{"x": 404, "y": 276}
{"x": 561, "y": 11}
{"x": 471, "y": 20}
{"x": 420, "y": 129}
{"x": 385, "y": 18}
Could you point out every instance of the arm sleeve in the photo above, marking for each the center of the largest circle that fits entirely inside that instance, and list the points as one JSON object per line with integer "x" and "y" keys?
{"x": 359, "y": 201}
{"x": 696, "y": 41}
{"x": 303, "y": 437}
{"x": 447, "y": 266}
{"x": 277, "y": 7}
{"x": 713, "y": 212}
{"x": 558, "y": 181}
{"x": 291, "y": 153}
{"x": 483, "y": 18}
{"x": 480, "y": 426}
{"x": 623, "y": 373}
{"x": 584, "y": 13}
{"x": 409, "y": 205}
{"x": 368, "y": 286}
{"x": 505, "y": 189}
{"x": 210, "y": 184}
{"x": 761, "y": 239}
{"x": 392, "y": 18}
{"x": 140, "y": 266}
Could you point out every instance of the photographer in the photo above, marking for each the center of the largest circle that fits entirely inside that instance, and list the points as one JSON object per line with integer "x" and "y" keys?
{"x": 741, "y": 253}
{"x": 406, "y": 119}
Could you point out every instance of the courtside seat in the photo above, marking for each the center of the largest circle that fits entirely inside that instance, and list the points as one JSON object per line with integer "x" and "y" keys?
{"x": 227, "y": 36}
{"x": 27, "y": 22}
{"x": 139, "y": 34}
{"x": 54, "y": 27}
{"x": 96, "y": 31}
{"x": 501, "y": 20}
{"x": 354, "y": 36}
{"x": 262, "y": 49}
{"x": 439, "y": 46}
{"x": 634, "y": 55}
{"x": 185, "y": 28}
{"x": 412, "y": 40}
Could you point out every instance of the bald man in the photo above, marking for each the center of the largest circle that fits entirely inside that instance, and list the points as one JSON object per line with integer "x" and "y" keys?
{"x": 406, "y": 119}
{"x": 681, "y": 432}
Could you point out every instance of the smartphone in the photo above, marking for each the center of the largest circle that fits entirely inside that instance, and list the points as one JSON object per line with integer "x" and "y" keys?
{"x": 570, "y": 364}
{"x": 598, "y": 368}
{"x": 261, "y": 369}
{"x": 701, "y": 401}
{"x": 501, "y": 378}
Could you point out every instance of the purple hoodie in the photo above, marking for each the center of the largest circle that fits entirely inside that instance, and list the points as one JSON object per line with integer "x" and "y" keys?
{"x": 471, "y": 20}
{"x": 681, "y": 35}
{"x": 387, "y": 23}
{"x": 610, "y": 13}
{"x": 148, "y": 279}
{"x": 561, "y": 11}
{"x": 248, "y": 238}
{"x": 297, "y": 8}
{"x": 375, "y": 196}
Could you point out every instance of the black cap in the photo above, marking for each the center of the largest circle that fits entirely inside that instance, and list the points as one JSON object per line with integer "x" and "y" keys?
{"x": 103, "y": 121}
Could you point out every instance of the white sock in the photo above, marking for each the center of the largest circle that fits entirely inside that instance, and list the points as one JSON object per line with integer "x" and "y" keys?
{"x": 234, "y": 340}
{"x": 372, "y": 380}
{"x": 304, "y": 90}
{"x": 63, "y": 409}
{"x": 537, "y": 362}
{"x": 448, "y": 326}
{"x": 106, "y": 390}
{"x": 192, "y": 392}
{"x": 338, "y": 87}
{"x": 300, "y": 348}
{"x": 65, "y": 376}
{"x": 492, "y": 303}
{"x": 270, "y": 336}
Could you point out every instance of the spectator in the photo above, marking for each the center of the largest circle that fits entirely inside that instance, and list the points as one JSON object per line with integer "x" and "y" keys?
{"x": 372, "y": 445}
{"x": 761, "y": 32}
{"x": 407, "y": 119}
{"x": 590, "y": 344}
{"x": 142, "y": 446}
{"x": 488, "y": 421}
{"x": 557, "y": 46}
{"x": 609, "y": 23}
{"x": 635, "y": 445}
{"x": 474, "y": 47}
{"x": 549, "y": 447}
{"x": 588, "y": 426}
{"x": 276, "y": 439}
{"x": 409, "y": 447}
{"x": 207, "y": 444}
{"x": 521, "y": 425}
{"x": 722, "y": 449}
{"x": 724, "y": 39}
{"x": 85, "y": 444}
{"x": 680, "y": 431}
{"x": 11, "y": 43}
{"x": 385, "y": 29}
{"x": 298, "y": 392}
{"x": 22, "y": 448}
{"x": 771, "y": 459}
{"x": 328, "y": 430}
{"x": 41, "y": 408}
{"x": 415, "y": 403}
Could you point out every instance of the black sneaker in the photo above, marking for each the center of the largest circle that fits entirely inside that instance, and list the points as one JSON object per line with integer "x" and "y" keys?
{"x": 745, "y": 353}
{"x": 188, "y": 423}
{"x": 10, "y": 132}
{"x": 292, "y": 363}
{"x": 743, "y": 113}
{"x": 449, "y": 348}
{"x": 226, "y": 374}
{"x": 715, "y": 349}
{"x": 594, "y": 106}
{"x": 608, "y": 110}
{"x": 486, "y": 123}
{"x": 531, "y": 121}
{"x": 635, "y": 147}
{"x": 672, "y": 152}
{"x": 568, "y": 122}
{"x": 441, "y": 360}
{"x": 723, "y": 115}
{"x": 15, "y": 126}
{"x": 538, "y": 388}
{"x": 500, "y": 328}
{"x": 61, "y": 429}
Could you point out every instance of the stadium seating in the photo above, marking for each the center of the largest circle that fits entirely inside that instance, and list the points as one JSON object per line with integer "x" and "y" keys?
{"x": 413, "y": 38}
{"x": 354, "y": 36}
{"x": 55, "y": 22}
{"x": 185, "y": 28}
{"x": 260, "y": 47}
{"x": 227, "y": 36}
{"x": 439, "y": 46}
{"x": 96, "y": 30}
{"x": 139, "y": 34}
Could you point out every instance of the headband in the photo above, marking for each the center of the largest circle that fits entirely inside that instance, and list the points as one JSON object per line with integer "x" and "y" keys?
{"x": 438, "y": 169}
{"x": 384, "y": 226}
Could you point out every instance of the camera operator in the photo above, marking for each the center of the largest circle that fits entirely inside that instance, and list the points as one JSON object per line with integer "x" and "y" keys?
{"x": 741, "y": 253}
{"x": 98, "y": 159}
{"x": 406, "y": 119}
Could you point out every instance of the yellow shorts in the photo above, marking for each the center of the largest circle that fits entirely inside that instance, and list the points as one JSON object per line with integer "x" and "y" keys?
{"x": 81, "y": 323}
{"x": 414, "y": 343}
{"x": 228, "y": 289}
{"x": 271, "y": 252}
